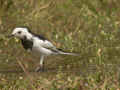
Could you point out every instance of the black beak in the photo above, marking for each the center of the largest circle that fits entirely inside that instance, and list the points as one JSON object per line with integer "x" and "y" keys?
{"x": 10, "y": 36}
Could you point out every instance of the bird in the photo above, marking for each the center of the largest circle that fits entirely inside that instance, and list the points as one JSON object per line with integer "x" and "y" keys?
{"x": 37, "y": 44}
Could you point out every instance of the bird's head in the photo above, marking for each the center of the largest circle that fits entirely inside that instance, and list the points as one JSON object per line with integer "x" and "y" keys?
{"x": 22, "y": 33}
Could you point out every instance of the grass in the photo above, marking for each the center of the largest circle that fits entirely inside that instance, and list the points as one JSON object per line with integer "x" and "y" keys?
{"x": 82, "y": 26}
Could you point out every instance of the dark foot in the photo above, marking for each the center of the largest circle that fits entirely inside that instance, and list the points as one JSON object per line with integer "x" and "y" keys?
{"x": 39, "y": 69}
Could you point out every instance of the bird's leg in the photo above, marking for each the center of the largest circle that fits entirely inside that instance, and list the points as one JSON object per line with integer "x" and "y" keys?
{"x": 41, "y": 66}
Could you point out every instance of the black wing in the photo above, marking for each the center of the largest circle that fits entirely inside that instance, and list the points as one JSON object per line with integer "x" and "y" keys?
{"x": 39, "y": 36}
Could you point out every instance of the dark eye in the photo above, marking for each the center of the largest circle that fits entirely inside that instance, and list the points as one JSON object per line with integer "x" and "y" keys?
{"x": 19, "y": 32}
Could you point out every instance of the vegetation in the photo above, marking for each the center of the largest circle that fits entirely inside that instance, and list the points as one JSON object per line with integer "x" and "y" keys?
{"x": 90, "y": 28}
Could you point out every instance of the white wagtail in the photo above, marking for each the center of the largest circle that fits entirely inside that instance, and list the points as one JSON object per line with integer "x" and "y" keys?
{"x": 37, "y": 44}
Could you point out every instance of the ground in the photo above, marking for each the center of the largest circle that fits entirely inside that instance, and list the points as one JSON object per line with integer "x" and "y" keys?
{"x": 90, "y": 28}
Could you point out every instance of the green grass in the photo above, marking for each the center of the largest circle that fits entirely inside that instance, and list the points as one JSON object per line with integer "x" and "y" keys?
{"x": 90, "y": 28}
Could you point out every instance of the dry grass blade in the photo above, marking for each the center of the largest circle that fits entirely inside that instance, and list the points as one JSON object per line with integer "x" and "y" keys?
{"x": 24, "y": 69}
{"x": 45, "y": 6}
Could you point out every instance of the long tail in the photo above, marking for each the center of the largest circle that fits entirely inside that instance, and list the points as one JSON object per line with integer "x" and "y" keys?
{"x": 67, "y": 53}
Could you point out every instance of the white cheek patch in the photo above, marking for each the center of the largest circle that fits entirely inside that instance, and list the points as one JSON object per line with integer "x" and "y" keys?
{"x": 29, "y": 36}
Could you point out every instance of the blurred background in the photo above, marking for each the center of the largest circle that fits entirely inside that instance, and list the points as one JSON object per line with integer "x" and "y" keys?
{"x": 90, "y": 28}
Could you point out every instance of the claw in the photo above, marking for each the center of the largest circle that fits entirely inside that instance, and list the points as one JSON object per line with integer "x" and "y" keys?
{"x": 39, "y": 69}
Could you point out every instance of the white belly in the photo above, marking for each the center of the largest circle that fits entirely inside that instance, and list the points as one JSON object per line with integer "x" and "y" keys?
{"x": 40, "y": 50}
{"x": 38, "y": 46}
